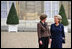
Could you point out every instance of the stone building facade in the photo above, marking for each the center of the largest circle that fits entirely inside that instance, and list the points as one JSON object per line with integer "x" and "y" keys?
{"x": 29, "y": 11}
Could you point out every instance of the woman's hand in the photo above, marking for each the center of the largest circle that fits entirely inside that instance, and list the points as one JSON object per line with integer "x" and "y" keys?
{"x": 40, "y": 42}
{"x": 50, "y": 40}
{"x": 63, "y": 38}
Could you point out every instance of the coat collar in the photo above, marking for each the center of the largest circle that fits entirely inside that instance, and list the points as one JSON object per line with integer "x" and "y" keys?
{"x": 44, "y": 26}
{"x": 55, "y": 24}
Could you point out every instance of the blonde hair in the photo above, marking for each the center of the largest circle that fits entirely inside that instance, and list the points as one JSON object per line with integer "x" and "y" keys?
{"x": 59, "y": 17}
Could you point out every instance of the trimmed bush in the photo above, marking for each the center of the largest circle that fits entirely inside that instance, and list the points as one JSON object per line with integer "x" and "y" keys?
{"x": 12, "y": 16}
{"x": 63, "y": 14}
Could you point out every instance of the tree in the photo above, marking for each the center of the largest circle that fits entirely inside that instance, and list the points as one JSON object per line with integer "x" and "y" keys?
{"x": 63, "y": 14}
{"x": 12, "y": 16}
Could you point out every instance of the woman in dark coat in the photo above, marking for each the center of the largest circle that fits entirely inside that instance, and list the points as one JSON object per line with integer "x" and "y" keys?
{"x": 57, "y": 33}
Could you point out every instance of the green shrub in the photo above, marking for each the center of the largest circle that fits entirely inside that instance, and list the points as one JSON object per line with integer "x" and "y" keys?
{"x": 12, "y": 16}
{"x": 63, "y": 14}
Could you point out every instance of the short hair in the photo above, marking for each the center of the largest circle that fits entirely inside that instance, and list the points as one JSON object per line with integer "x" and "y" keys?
{"x": 59, "y": 17}
{"x": 43, "y": 16}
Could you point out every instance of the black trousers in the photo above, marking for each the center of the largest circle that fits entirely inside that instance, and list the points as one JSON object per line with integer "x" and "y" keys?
{"x": 45, "y": 41}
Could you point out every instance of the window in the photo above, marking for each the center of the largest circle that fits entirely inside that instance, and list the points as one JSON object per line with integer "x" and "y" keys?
{"x": 51, "y": 8}
{"x": 3, "y": 9}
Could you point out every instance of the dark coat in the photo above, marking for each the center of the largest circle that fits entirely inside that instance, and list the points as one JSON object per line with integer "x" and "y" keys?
{"x": 57, "y": 33}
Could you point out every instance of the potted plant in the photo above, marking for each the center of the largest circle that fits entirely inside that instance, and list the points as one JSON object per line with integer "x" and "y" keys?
{"x": 64, "y": 18}
{"x": 12, "y": 19}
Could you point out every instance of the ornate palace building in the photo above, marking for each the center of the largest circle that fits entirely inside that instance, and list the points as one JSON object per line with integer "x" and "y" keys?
{"x": 31, "y": 10}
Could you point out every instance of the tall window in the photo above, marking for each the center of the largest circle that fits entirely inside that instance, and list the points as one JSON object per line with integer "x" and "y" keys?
{"x": 3, "y": 9}
{"x": 51, "y": 8}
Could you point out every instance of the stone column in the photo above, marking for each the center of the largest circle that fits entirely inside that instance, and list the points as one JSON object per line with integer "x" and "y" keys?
{"x": 17, "y": 8}
{"x": 69, "y": 10}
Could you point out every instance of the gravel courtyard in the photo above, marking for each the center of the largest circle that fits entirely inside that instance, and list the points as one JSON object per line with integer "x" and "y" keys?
{"x": 25, "y": 40}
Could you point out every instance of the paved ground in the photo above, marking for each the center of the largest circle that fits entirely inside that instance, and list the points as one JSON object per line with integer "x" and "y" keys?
{"x": 25, "y": 40}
